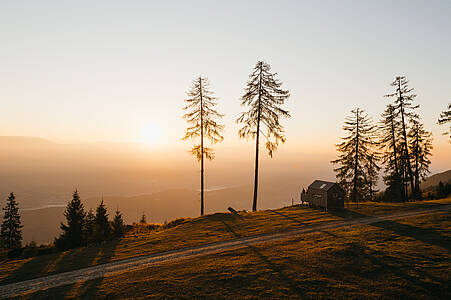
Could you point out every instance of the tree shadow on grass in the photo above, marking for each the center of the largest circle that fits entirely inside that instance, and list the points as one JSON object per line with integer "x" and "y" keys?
{"x": 299, "y": 222}
{"x": 347, "y": 214}
{"x": 277, "y": 270}
{"x": 62, "y": 262}
{"x": 425, "y": 235}
{"x": 287, "y": 217}
{"x": 84, "y": 289}
{"x": 436, "y": 289}
{"x": 89, "y": 288}
{"x": 34, "y": 267}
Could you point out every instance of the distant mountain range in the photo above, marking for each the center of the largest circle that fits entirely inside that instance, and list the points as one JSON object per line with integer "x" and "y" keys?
{"x": 434, "y": 180}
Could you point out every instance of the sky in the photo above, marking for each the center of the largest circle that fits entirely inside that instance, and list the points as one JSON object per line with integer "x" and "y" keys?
{"x": 119, "y": 70}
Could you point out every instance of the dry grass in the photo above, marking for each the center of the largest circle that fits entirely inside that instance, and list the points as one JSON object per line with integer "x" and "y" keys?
{"x": 192, "y": 232}
{"x": 407, "y": 259}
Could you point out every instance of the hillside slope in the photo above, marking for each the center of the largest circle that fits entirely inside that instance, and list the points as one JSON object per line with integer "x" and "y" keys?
{"x": 42, "y": 225}
{"x": 434, "y": 180}
{"x": 406, "y": 258}
{"x": 193, "y": 232}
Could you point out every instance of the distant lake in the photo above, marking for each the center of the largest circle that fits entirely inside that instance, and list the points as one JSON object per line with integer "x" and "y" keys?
{"x": 214, "y": 188}
{"x": 44, "y": 206}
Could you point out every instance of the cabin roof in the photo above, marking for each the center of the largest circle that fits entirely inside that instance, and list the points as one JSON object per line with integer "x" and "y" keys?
{"x": 322, "y": 185}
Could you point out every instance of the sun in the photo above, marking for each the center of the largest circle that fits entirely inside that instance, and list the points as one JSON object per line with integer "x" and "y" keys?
{"x": 150, "y": 134}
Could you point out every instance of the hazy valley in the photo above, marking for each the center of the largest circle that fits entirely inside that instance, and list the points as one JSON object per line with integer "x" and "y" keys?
{"x": 136, "y": 179}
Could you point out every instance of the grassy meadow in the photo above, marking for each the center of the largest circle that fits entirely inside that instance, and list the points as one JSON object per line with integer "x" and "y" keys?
{"x": 301, "y": 265}
{"x": 407, "y": 258}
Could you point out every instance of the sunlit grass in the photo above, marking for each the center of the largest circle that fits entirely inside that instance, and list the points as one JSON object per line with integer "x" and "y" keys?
{"x": 407, "y": 259}
{"x": 192, "y": 232}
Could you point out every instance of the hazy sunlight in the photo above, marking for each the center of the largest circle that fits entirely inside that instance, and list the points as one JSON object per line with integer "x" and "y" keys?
{"x": 150, "y": 134}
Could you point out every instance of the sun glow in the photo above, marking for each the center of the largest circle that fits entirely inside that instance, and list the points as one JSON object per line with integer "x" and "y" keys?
{"x": 151, "y": 134}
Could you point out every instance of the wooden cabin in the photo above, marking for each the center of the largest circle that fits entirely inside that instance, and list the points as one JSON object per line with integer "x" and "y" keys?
{"x": 325, "y": 194}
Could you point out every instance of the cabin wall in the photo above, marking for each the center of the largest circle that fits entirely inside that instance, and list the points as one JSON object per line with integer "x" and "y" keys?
{"x": 331, "y": 199}
{"x": 317, "y": 198}
{"x": 335, "y": 198}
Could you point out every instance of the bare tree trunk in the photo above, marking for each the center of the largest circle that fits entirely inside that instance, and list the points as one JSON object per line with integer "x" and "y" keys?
{"x": 354, "y": 191}
{"x": 417, "y": 173}
{"x": 406, "y": 183}
{"x": 257, "y": 142}
{"x": 397, "y": 173}
{"x": 409, "y": 168}
{"x": 202, "y": 151}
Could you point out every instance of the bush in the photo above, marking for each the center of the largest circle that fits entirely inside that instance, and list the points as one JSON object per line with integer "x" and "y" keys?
{"x": 144, "y": 227}
{"x": 31, "y": 250}
{"x": 174, "y": 223}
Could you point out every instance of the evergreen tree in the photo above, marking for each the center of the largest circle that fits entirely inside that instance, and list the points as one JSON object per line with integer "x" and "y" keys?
{"x": 371, "y": 174}
{"x": 103, "y": 229}
{"x": 117, "y": 225}
{"x": 445, "y": 117}
{"x": 420, "y": 148}
{"x": 11, "y": 233}
{"x": 263, "y": 97}
{"x": 89, "y": 226}
{"x": 73, "y": 233}
{"x": 201, "y": 117}
{"x": 404, "y": 107}
{"x": 356, "y": 151}
{"x": 390, "y": 147}
{"x": 143, "y": 219}
{"x": 443, "y": 190}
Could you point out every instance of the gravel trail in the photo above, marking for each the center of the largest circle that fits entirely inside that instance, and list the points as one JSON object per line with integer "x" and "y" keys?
{"x": 108, "y": 269}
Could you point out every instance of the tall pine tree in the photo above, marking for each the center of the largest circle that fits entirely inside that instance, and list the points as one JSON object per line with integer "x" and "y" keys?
{"x": 445, "y": 117}
{"x": 420, "y": 148}
{"x": 72, "y": 235}
{"x": 357, "y": 155}
{"x": 405, "y": 108}
{"x": 117, "y": 226}
{"x": 201, "y": 117}
{"x": 89, "y": 228}
{"x": 143, "y": 219}
{"x": 389, "y": 129}
{"x": 371, "y": 172}
{"x": 11, "y": 233}
{"x": 263, "y": 97}
{"x": 103, "y": 228}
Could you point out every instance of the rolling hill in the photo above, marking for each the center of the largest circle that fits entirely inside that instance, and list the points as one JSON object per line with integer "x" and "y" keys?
{"x": 42, "y": 224}
{"x": 434, "y": 180}
{"x": 407, "y": 257}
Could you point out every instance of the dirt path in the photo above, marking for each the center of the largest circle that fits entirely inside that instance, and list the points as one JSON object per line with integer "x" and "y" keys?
{"x": 112, "y": 268}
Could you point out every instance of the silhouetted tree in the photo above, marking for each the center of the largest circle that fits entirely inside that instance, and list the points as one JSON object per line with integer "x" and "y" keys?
{"x": 263, "y": 97}
{"x": 356, "y": 151}
{"x": 143, "y": 219}
{"x": 117, "y": 225}
{"x": 443, "y": 190}
{"x": 445, "y": 117}
{"x": 90, "y": 225}
{"x": 72, "y": 235}
{"x": 404, "y": 107}
{"x": 371, "y": 174}
{"x": 390, "y": 147}
{"x": 201, "y": 118}
{"x": 103, "y": 229}
{"x": 420, "y": 147}
{"x": 11, "y": 233}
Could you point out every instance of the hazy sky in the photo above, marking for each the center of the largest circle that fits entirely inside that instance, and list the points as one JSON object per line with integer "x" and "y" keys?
{"x": 119, "y": 70}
